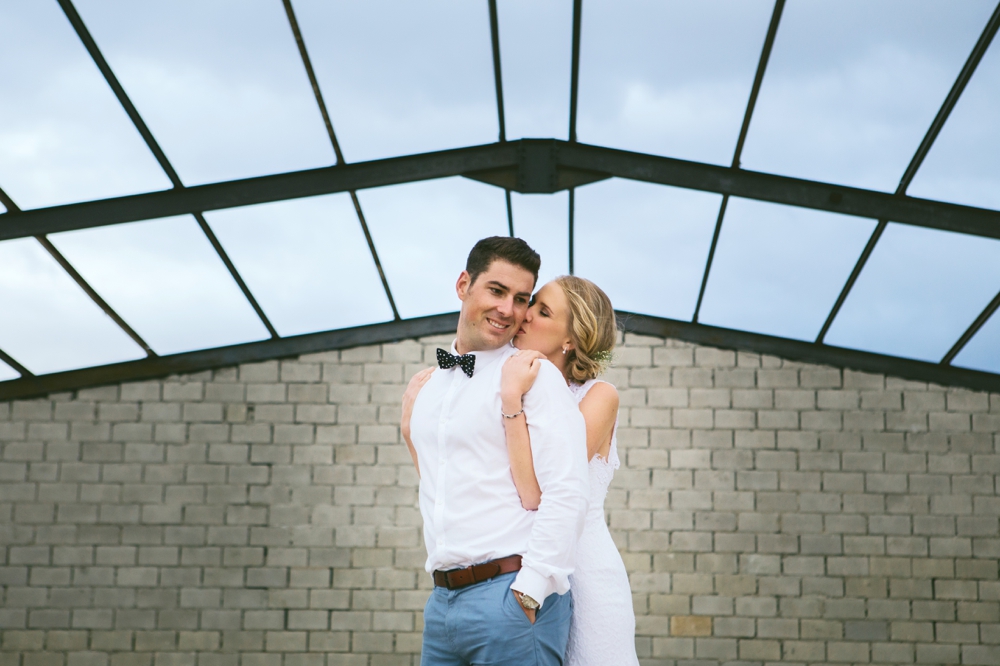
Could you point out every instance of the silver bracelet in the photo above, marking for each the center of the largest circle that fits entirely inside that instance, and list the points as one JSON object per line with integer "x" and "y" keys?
{"x": 511, "y": 416}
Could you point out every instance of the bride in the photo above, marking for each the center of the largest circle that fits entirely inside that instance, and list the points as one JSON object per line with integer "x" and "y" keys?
{"x": 571, "y": 324}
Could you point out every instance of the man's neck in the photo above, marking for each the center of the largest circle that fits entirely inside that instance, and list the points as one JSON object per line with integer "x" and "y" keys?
{"x": 463, "y": 347}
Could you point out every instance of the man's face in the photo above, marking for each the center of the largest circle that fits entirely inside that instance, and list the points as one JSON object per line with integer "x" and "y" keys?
{"x": 493, "y": 307}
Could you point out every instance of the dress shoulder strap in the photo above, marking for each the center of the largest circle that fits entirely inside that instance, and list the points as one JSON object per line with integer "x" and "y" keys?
{"x": 581, "y": 390}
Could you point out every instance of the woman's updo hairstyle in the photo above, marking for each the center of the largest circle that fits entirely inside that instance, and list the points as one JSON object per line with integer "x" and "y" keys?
{"x": 592, "y": 328}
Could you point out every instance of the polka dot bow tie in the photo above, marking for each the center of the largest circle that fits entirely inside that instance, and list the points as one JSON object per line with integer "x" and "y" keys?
{"x": 466, "y": 361}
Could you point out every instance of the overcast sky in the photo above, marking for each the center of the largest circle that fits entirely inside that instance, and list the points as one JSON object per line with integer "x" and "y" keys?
{"x": 851, "y": 89}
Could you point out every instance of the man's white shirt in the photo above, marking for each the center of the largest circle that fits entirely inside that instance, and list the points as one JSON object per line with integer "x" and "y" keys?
{"x": 470, "y": 506}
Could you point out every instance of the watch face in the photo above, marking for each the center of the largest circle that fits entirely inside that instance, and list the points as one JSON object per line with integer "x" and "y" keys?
{"x": 528, "y": 602}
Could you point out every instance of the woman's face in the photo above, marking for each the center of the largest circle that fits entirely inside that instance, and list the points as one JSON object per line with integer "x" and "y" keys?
{"x": 546, "y": 326}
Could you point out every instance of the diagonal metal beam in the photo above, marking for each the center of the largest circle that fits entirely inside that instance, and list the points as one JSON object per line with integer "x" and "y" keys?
{"x": 964, "y": 76}
{"x": 13, "y": 208}
{"x": 970, "y": 332}
{"x": 261, "y": 189}
{"x": 318, "y": 94}
{"x": 758, "y": 79}
{"x": 9, "y": 360}
{"x": 219, "y": 250}
{"x": 94, "y": 296}
{"x": 968, "y": 69}
{"x": 782, "y": 190}
{"x": 116, "y": 87}
{"x": 102, "y": 64}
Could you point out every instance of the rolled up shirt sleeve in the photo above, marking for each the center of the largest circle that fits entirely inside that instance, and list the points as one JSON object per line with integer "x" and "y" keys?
{"x": 559, "y": 452}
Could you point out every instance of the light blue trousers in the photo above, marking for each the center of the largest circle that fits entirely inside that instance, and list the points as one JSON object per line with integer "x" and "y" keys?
{"x": 483, "y": 625}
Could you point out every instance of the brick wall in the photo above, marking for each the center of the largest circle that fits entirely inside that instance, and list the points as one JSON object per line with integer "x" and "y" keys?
{"x": 266, "y": 515}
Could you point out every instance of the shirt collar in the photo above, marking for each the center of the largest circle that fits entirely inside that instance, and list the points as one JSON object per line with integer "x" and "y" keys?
{"x": 485, "y": 357}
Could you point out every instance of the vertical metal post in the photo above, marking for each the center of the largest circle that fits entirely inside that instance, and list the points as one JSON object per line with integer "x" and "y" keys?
{"x": 574, "y": 96}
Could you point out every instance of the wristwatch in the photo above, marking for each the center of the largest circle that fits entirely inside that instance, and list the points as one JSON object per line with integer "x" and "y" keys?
{"x": 526, "y": 602}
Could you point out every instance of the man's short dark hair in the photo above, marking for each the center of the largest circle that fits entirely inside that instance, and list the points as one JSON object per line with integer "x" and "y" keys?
{"x": 512, "y": 250}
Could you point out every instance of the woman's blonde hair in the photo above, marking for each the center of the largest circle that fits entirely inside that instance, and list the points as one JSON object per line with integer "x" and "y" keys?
{"x": 592, "y": 328}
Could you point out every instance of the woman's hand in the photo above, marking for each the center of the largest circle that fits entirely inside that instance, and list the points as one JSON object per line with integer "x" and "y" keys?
{"x": 409, "y": 397}
{"x": 518, "y": 376}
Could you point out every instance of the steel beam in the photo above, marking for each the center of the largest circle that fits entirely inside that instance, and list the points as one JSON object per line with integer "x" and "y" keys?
{"x": 498, "y": 85}
{"x": 808, "y": 352}
{"x": 102, "y": 64}
{"x": 252, "y": 352}
{"x": 970, "y": 332}
{"x": 80, "y": 281}
{"x": 758, "y": 79}
{"x": 497, "y": 75}
{"x": 961, "y": 81}
{"x": 783, "y": 190}
{"x": 574, "y": 81}
{"x": 293, "y": 23}
{"x": 574, "y": 164}
{"x": 793, "y": 350}
{"x": 250, "y": 191}
{"x": 950, "y": 100}
{"x": 12, "y": 362}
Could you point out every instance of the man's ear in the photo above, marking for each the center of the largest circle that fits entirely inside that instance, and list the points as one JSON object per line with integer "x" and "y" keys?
{"x": 463, "y": 284}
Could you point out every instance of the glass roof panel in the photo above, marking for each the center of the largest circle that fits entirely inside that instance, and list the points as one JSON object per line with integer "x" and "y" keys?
{"x": 306, "y": 262}
{"x": 644, "y": 245}
{"x": 423, "y": 233}
{"x": 542, "y": 220}
{"x": 964, "y": 164}
{"x": 63, "y": 135}
{"x": 403, "y": 77}
{"x": 669, "y": 77}
{"x": 7, "y": 372}
{"x": 166, "y": 281}
{"x": 220, "y": 84}
{"x": 536, "y": 50}
{"x": 983, "y": 350}
{"x": 778, "y": 269}
{"x": 47, "y": 323}
{"x": 919, "y": 291}
{"x": 853, "y": 85}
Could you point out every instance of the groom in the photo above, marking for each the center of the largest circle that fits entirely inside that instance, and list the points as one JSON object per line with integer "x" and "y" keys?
{"x": 501, "y": 573}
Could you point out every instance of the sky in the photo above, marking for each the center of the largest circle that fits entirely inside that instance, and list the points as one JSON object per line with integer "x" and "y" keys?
{"x": 850, "y": 90}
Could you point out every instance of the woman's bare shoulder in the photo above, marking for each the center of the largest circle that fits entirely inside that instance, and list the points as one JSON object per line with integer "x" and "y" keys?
{"x": 602, "y": 390}
{"x": 602, "y": 396}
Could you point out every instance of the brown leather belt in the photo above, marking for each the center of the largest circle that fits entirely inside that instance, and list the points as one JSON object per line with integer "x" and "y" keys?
{"x": 477, "y": 573}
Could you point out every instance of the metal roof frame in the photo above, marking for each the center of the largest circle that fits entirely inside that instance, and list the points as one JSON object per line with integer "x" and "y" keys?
{"x": 528, "y": 166}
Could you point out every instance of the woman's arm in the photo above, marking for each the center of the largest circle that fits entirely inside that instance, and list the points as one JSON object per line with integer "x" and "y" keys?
{"x": 600, "y": 411}
{"x": 519, "y": 373}
{"x": 410, "y": 397}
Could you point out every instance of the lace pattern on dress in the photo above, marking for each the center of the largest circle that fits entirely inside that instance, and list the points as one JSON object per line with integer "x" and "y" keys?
{"x": 602, "y": 470}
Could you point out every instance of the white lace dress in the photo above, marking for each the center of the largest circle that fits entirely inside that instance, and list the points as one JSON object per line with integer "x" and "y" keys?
{"x": 602, "y": 632}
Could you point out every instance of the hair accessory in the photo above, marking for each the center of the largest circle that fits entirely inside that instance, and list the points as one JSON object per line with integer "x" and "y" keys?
{"x": 604, "y": 358}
